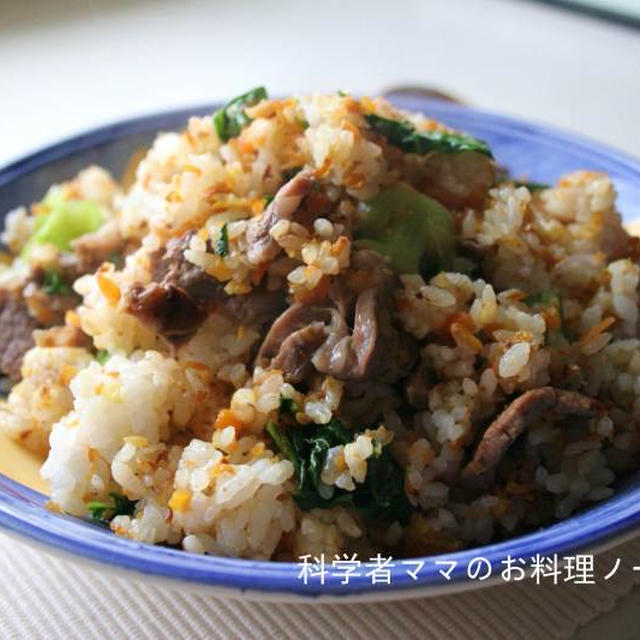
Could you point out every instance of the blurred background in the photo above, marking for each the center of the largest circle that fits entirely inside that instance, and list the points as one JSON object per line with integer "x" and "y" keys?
{"x": 67, "y": 65}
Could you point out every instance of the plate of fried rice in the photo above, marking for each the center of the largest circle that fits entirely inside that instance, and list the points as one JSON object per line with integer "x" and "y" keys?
{"x": 240, "y": 340}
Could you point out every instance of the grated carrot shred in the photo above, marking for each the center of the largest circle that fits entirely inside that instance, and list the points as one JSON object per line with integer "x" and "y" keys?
{"x": 196, "y": 364}
{"x": 324, "y": 169}
{"x": 464, "y": 337}
{"x": 72, "y": 319}
{"x": 192, "y": 169}
{"x": 227, "y": 418}
{"x": 109, "y": 289}
{"x": 67, "y": 372}
{"x": 596, "y": 330}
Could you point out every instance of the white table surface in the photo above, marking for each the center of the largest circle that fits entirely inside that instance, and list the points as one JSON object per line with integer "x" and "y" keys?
{"x": 68, "y": 65}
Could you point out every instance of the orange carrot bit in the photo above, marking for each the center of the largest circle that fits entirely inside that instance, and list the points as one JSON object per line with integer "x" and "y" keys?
{"x": 551, "y": 317}
{"x": 347, "y": 125}
{"x": 67, "y": 372}
{"x": 352, "y": 105}
{"x": 257, "y": 206}
{"x": 323, "y": 170}
{"x": 109, "y": 289}
{"x": 72, "y": 319}
{"x": 180, "y": 500}
{"x": 317, "y": 294}
{"x": 463, "y": 337}
{"x": 227, "y": 418}
{"x": 493, "y": 326}
{"x": 192, "y": 169}
{"x": 196, "y": 364}
{"x": 461, "y": 317}
{"x": 596, "y": 330}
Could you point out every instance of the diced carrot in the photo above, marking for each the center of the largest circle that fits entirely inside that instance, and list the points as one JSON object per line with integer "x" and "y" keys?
{"x": 109, "y": 289}
{"x": 180, "y": 500}
{"x": 596, "y": 330}
{"x": 227, "y": 418}
{"x": 461, "y": 317}
{"x": 463, "y": 337}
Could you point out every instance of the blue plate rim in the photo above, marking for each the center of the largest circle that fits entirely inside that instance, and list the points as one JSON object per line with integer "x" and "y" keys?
{"x": 23, "y": 510}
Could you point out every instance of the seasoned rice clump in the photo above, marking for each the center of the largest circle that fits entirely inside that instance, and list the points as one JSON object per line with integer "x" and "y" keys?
{"x": 322, "y": 325}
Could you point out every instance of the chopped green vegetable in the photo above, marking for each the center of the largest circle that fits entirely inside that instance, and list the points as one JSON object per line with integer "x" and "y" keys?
{"x": 543, "y": 298}
{"x": 462, "y": 264}
{"x": 97, "y": 509}
{"x": 122, "y": 506}
{"x": 547, "y": 299}
{"x": 304, "y": 124}
{"x": 532, "y": 186}
{"x": 405, "y": 136}
{"x": 222, "y": 243}
{"x": 230, "y": 120}
{"x": 117, "y": 259}
{"x": 102, "y": 512}
{"x": 102, "y": 356}
{"x": 287, "y": 405}
{"x": 288, "y": 174}
{"x": 63, "y": 221}
{"x": 54, "y": 284}
{"x": 410, "y": 228}
{"x": 382, "y": 494}
{"x": 268, "y": 200}
{"x": 284, "y": 445}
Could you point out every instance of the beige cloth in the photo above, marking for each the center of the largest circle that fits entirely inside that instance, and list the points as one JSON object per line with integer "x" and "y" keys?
{"x": 42, "y": 596}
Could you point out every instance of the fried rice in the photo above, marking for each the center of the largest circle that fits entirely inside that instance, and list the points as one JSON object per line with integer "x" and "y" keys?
{"x": 322, "y": 325}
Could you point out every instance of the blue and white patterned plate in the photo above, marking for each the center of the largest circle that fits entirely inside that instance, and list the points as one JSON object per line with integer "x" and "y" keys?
{"x": 528, "y": 150}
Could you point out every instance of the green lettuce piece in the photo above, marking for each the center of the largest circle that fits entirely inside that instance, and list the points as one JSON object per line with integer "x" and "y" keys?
{"x": 64, "y": 221}
{"x": 411, "y": 229}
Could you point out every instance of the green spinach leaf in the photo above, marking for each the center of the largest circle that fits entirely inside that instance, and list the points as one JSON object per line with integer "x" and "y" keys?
{"x": 230, "y": 120}
{"x": 102, "y": 512}
{"x": 404, "y": 135}
{"x": 222, "y": 243}
{"x": 381, "y": 496}
{"x": 53, "y": 283}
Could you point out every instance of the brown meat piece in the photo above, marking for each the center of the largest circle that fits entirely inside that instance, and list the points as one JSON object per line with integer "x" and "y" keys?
{"x": 262, "y": 247}
{"x": 374, "y": 350}
{"x": 417, "y": 386}
{"x": 170, "y": 267}
{"x": 294, "y": 357}
{"x": 305, "y": 335}
{"x": 518, "y": 415}
{"x": 16, "y": 329}
{"x": 182, "y": 295}
{"x": 294, "y": 319}
{"x": 260, "y": 306}
{"x": 177, "y": 302}
{"x": 170, "y": 310}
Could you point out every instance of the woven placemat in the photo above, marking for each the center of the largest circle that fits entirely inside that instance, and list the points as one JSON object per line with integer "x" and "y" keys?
{"x": 42, "y": 596}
